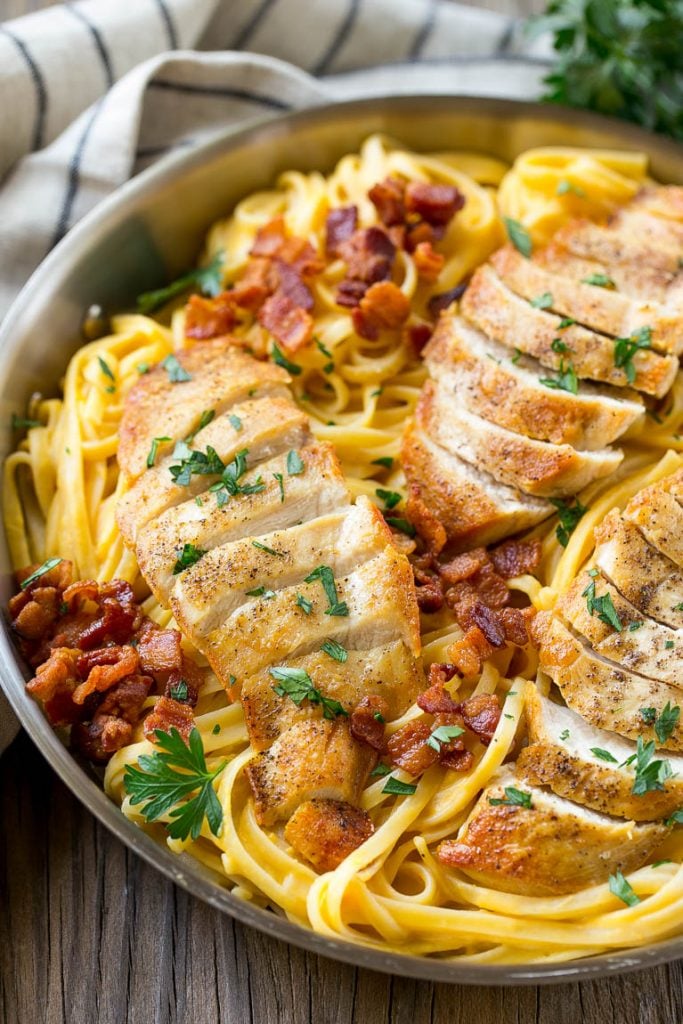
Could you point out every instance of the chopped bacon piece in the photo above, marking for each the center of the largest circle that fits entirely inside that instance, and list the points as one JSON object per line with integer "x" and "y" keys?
{"x": 272, "y": 241}
{"x": 97, "y": 740}
{"x": 417, "y": 336}
{"x": 270, "y": 238}
{"x": 470, "y": 652}
{"x": 120, "y": 617}
{"x": 436, "y": 700}
{"x": 429, "y": 595}
{"x": 125, "y": 700}
{"x": 103, "y": 676}
{"x": 482, "y": 714}
{"x": 59, "y": 576}
{"x": 369, "y": 254}
{"x": 79, "y": 592}
{"x": 430, "y": 529}
{"x": 350, "y": 293}
{"x": 457, "y": 760}
{"x": 463, "y": 566}
{"x": 476, "y": 613}
{"x": 169, "y": 714}
{"x": 39, "y": 611}
{"x": 291, "y": 285}
{"x": 367, "y": 721}
{"x": 191, "y": 675}
{"x": 408, "y": 748}
{"x": 287, "y": 322}
{"x": 515, "y": 625}
{"x": 388, "y": 199}
{"x": 515, "y": 557}
{"x": 422, "y": 233}
{"x": 434, "y": 203}
{"x": 428, "y": 263}
{"x": 324, "y": 831}
{"x": 255, "y": 284}
{"x": 383, "y": 306}
{"x": 56, "y": 674}
{"x": 484, "y": 584}
{"x": 340, "y": 224}
{"x": 437, "y": 303}
{"x": 210, "y": 318}
{"x": 160, "y": 652}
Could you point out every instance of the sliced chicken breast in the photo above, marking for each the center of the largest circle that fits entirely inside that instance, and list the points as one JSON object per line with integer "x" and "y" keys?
{"x": 267, "y": 427}
{"x": 643, "y": 284}
{"x": 317, "y": 488}
{"x": 601, "y": 309}
{"x": 230, "y": 576}
{"x": 536, "y": 467}
{"x": 607, "y": 695}
{"x": 658, "y": 514}
{"x": 562, "y": 755}
{"x": 473, "y": 507}
{"x": 505, "y": 389}
{"x": 622, "y": 633}
{"x": 324, "y": 832}
{"x": 513, "y": 322}
{"x": 315, "y": 759}
{"x": 220, "y": 376}
{"x": 389, "y": 671}
{"x": 659, "y": 232}
{"x": 379, "y": 597}
{"x": 660, "y": 201}
{"x": 625, "y": 240}
{"x": 646, "y": 577}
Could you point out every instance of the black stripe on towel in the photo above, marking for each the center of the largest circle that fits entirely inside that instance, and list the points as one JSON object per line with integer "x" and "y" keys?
{"x": 506, "y": 37}
{"x": 340, "y": 38}
{"x": 74, "y": 178}
{"x": 424, "y": 31}
{"x": 169, "y": 24}
{"x": 39, "y": 83}
{"x": 219, "y": 92}
{"x": 97, "y": 39}
{"x": 257, "y": 17}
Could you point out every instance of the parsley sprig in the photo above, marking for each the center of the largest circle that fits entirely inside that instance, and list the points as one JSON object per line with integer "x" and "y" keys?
{"x": 569, "y": 516}
{"x": 296, "y": 684}
{"x": 626, "y": 348}
{"x": 513, "y": 798}
{"x": 163, "y": 781}
{"x": 326, "y": 577}
{"x": 566, "y": 379}
{"x": 208, "y": 280}
{"x": 602, "y": 606}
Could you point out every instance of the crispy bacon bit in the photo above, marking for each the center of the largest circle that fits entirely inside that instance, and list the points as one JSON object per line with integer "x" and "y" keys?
{"x": 160, "y": 652}
{"x": 324, "y": 832}
{"x": 383, "y": 306}
{"x": 417, "y": 336}
{"x": 388, "y": 199}
{"x": 436, "y": 700}
{"x": 255, "y": 284}
{"x": 470, "y": 652}
{"x": 457, "y": 760}
{"x": 56, "y": 675}
{"x": 270, "y": 238}
{"x": 482, "y": 714}
{"x": 36, "y": 612}
{"x": 430, "y": 529}
{"x": 120, "y": 616}
{"x": 367, "y": 721}
{"x": 340, "y": 224}
{"x": 437, "y": 303}
{"x": 463, "y": 566}
{"x": 169, "y": 714}
{"x": 112, "y": 726}
{"x": 408, "y": 748}
{"x": 430, "y": 595}
{"x": 369, "y": 254}
{"x": 484, "y": 584}
{"x": 434, "y": 203}
{"x": 59, "y": 576}
{"x": 291, "y": 325}
{"x": 105, "y": 673}
{"x": 291, "y": 285}
{"x": 428, "y": 263}
{"x": 515, "y": 622}
{"x": 476, "y": 613}
{"x": 515, "y": 557}
{"x": 350, "y": 293}
{"x": 210, "y": 318}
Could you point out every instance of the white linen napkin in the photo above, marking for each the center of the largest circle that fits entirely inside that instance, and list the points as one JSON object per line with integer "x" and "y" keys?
{"x": 94, "y": 91}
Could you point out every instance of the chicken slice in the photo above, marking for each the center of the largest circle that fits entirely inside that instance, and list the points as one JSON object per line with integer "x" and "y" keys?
{"x": 389, "y": 671}
{"x": 601, "y": 309}
{"x": 561, "y": 755}
{"x": 225, "y": 579}
{"x": 379, "y": 597}
{"x": 660, "y": 201}
{"x": 548, "y": 849}
{"x": 664, "y": 234}
{"x": 507, "y": 391}
{"x": 627, "y": 239}
{"x": 267, "y": 427}
{"x": 314, "y": 759}
{"x": 607, "y": 695}
{"x": 658, "y": 513}
{"x": 644, "y": 284}
{"x": 640, "y": 645}
{"x": 646, "y": 577}
{"x": 536, "y": 467}
{"x": 318, "y": 488}
{"x": 470, "y": 504}
{"x": 324, "y": 832}
{"x": 513, "y": 322}
{"x": 221, "y": 375}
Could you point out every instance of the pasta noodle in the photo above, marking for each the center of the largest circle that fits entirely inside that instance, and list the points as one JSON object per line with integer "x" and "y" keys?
{"x": 61, "y": 487}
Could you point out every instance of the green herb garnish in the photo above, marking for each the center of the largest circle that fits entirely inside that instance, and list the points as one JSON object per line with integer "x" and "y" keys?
{"x": 40, "y": 571}
{"x": 667, "y": 722}
{"x": 604, "y": 755}
{"x": 281, "y": 359}
{"x": 298, "y": 686}
{"x": 186, "y": 556}
{"x": 176, "y": 373}
{"x": 559, "y": 346}
{"x": 235, "y": 422}
{"x": 626, "y": 348}
{"x": 380, "y": 770}
{"x": 569, "y": 516}
{"x": 443, "y": 734}
{"x": 154, "y": 447}
{"x": 105, "y": 368}
{"x": 402, "y": 525}
{"x": 650, "y": 774}
{"x": 543, "y": 301}
{"x": 269, "y": 551}
{"x": 326, "y": 577}
{"x": 620, "y": 888}
{"x": 390, "y": 498}
{"x": 281, "y": 484}
{"x": 513, "y": 798}
{"x": 179, "y": 690}
{"x": 565, "y": 186}
{"x": 603, "y": 607}
{"x": 599, "y": 280}
{"x": 386, "y": 461}
{"x": 303, "y": 603}
{"x": 295, "y": 464}
{"x": 398, "y": 788}
{"x": 207, "y": 279}
{"x": 19, "y": 423}
{"x": 519, "y": 236}
{"x": 566, "y": 379}
{"x": 335, "y": 650}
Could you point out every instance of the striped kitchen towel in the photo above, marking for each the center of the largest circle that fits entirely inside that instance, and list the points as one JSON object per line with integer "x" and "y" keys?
{"x": 92, "y": 92}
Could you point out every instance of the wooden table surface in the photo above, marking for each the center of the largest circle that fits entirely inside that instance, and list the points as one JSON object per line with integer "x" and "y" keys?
{"x": 90, "y": 934}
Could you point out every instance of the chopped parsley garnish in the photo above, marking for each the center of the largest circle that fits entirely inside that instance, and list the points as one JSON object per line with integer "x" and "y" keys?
{"x": 40, "y": 571}
{"x": 675, "y": 819}
{"x": 229, "y": 484}
{"x": 105, "y": 368}
{"x": 186, "y": 556}
{"x": 379, "y": 717}
{"x": 376, "y": 393}
{"x": 281, "y": 484}
{"x": 633, "y": 626}
{"x": 295, "y": 464}
{"x": 326, "y": 577}
{"x": 281, "y": 359}
{"x": 390, "y": 498}
{"x": 335, "y": 650}
{"x": 381, "y": 769}
{"x": 402, "y": 525}
{"x": 179, "y": 690}
{"x": 398, "y": 788}
{"x": 669, "y": 645}
{"x": 256, "y": 592}
{"x": 303, "y": 603}
{"x": 519, "y": 236}
{"x": 235, "y": 422}
{"x": 204, "y": 421}
{"x": 603, "y": 606}
{"x": 216, "y": 729}
{"x": 19, "y": 423}
{"x": 154, "y": 447}
{"x": 543, "y": 301}
{"x": 517, "y": 356}
{"x": 323, "y": 348}
{"x": 648, "y": 715}
{"x": 298, "y": 686}
{"x": 513, "y": 798}
{"x": 569, "y": 516}
{"x": 176, "y": 373}
{"x": 626, "y": 348}
{"x": 566, "y": 379}
{"x": 163, "y": 780}
{"x": 566, "y": 321}
{"x": 565, "y": 186}
{"x": 678, "y": 607}
{"x": 604, "y": 755}
{"x": 207, "y": 279}
{"x": 269, "y": 551}
{"x": 559, "y": 346}
{"x": 195, "y": 463}
{"x": 600, "y": 280}
{"x": 142, "y": 368}
{"x": 622, "y": 889}
{"x": 386, "y": 461}
{"x": 667, "y": 722}
{"x": 443, "y": 734}
{"x": 564, "y": 735}
{"x": 650, "y": 774}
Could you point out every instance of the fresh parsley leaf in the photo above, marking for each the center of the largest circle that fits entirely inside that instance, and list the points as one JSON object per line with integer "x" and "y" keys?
{"x": 208, "y": 279}
{"x": 335, "y": 650}
{"x": 626, "y": 348}
{"x": 295, "y": 464}
{"x": 386, "y": 461}
{"x": 230, "y": 483}
{"x": 566, "y": 379}
{"x": 443, "y": 734}
{"x": 543, "y": 301}
{"x": 565, "y": 186}
{"x": 179, "y": 691}
{"x": 216, "y": 729}
{"x": 163, "y": 781}
{"x": 569, "y": 516}
{"x": 402, "y": 525}
{"x": 326, "y": 577}
{"x": 564, "y": 735}
{"x": 650, "y": 774}
{"x": 186, "y": 556}
{"x": 667, "y": 722}
{"x": 269, "y": 551}
{"x": 559, "y": 346}
{"x": 40, "y": 571}
{"x": 296, "y": 684}
{"x": 517, "y": 356}
{"x": 142, "y": 368}
{"x": 633, "y": 626}
{"x": 154, "y": 447}
{"x": 648, "y": 715}
{"x": 669, "y": 645}
{"x": 675, "y": 819}
{"x": 622, "y": 889}
{"x": 281, "y": 359}
{"x": 519, "y": 236}
{"x": 303, "y": 603}
{"x": 340, "y": 609}
{"x": 603, "y": 606}
{"x": 323, "y": 348}
{"x": 390, "y": 498}
{"x": 398, "y": 788}
{"x": 678, "y": 607}
{"x": 604, "y": 755}
{"x": 599, "y": 280}
{"x": 566, "y": 321}
{"x": 19, "y": 423}
{"x": 256, "y": 592}
{"x": 235, "y": 422}
{"x": 328, "y": 368}
{"x": 376, "y": 393}
{"x": 513, "y": 798}
{"x": 204, "y": 421}
{"x": 379, "y": 717}
{"x": 176, "y": 373}
{"x": 380, "y": 769}
{"x": 105, "y": 368}
{"x": 281, "y": 484}
{"x": 195, "y": 463}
